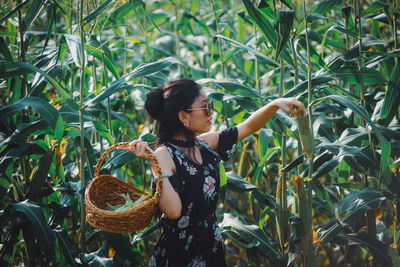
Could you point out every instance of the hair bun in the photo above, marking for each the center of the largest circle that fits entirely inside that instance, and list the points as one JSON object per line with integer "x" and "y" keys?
{"x": 154, "y": 102}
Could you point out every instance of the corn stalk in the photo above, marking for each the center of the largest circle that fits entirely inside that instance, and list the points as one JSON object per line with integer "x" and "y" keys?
{"x": 281, "y": 194}
{"x": 82, "y": 238}
{"x": 306, "y": 244}
{"x": 296, "y": 81}
{"x": 371, "y": 223}
{"x": 256, "y": 73}
{"x": 395, "y": 17}
{"x": 219, "y": 39}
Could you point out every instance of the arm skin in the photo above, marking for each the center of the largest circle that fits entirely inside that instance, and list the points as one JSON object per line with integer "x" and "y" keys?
{"x": 258, "y": 119}
{"x": 170, "y": 202}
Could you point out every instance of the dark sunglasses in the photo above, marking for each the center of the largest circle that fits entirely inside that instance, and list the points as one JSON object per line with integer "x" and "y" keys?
{"x": 208, "y": 108}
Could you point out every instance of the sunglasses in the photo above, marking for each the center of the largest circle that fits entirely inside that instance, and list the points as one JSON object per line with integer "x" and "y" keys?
{"x": 208, "y": 108}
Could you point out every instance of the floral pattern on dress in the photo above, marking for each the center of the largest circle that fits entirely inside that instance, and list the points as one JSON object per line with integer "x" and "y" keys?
{"x": 191, "y": 169}
{"x": 182, "y": 235}
{"x": 229, "y": 152}
{"x": 152, "y": 261}
{"x": 183, "y": 222}
{"x": 217, "y": 234}
{"x": 209, "y": 187}
{"x": 198, "y": 262}
{"x": 189, "y": 240}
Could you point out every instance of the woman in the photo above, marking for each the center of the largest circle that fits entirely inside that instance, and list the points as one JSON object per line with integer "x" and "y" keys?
{"x": 189, "y": 164}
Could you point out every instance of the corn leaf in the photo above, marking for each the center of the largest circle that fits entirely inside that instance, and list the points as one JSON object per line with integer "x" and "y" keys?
{"x": 74, "y": 45}
{"x": 252, "y": 233}
{"x": 44, "y": 234}
{"x": 22, "y": 68}
{"x": 250, "y": 50}
{"x": 47, "y": 111}
{"x": 284, "y": 22}
{"x": 96, "y": 12}
{"x": 33, "y": 12}
{"x": 392, "y": 97}
{"x": 351, "y": 74}
{"x": 24, "y": 130}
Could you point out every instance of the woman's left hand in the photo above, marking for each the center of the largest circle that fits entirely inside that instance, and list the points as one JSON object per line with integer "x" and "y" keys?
{"x": 288, "y": 105}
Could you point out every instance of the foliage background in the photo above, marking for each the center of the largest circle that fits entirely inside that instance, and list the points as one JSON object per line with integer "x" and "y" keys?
{"x": 73, "y": 79}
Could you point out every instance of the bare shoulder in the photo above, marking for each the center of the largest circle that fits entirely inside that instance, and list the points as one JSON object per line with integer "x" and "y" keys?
{"x": 165, "y": 160}
{"x": 211, "y": 138}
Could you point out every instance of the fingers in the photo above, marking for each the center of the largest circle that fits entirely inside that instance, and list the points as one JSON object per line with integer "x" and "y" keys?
{"x": 289, "y": 106}
{"x": 300, "y": 107}
{"x": 138, "y": 147}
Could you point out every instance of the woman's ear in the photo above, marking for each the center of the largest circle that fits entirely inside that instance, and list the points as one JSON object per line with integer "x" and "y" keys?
{"x": 183, "y": 116}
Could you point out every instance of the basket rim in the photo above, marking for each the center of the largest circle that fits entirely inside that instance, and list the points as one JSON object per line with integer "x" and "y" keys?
{"x": 111, "y": 213}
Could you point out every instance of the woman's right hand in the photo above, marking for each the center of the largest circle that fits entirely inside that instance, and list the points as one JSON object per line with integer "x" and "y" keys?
{"x": 138, "y": 147}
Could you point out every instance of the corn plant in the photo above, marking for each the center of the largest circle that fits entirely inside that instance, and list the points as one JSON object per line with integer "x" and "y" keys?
{"x": 320, "y": 191}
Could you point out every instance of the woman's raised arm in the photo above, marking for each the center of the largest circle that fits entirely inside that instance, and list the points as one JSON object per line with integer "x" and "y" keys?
{"x": 259, "y": 118}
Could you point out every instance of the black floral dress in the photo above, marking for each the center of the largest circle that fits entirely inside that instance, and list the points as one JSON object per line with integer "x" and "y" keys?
{"x": 195, "y": 239}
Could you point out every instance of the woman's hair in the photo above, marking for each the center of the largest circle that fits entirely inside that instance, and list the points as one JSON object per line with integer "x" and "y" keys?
{"x": 164, "y": 103}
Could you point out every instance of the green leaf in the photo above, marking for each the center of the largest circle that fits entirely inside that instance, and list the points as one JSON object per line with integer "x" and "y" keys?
{"x": 252, "y": 234}
{"x": 222, "y": 174}
{"x": 96, "y": 12}
{"x": 360, "y": 111}
{"x": 264, "y": 137}
{"x": 123, "y": 10}
{"x": 265, "y": 27}
{"x": 59, "y": 129}
{"x": 302, "y": 87}
{"x": 378, "y": 249}
{"x": 74, "y": 45}
{"x": 353, "y": 206}
{"x": 119, "y": 159}
{"x": 69, "y": 251}
{"x": 327, "y": 5}
{"x": 250, "y": 50}
{"x": 313, "y": 53}
{"x": 391, "y": 101}
{"x": 97, "y": 259}
{"x": 233, "y": 86}
{"x": 32, "y": 13}
{"x": 141, "y": 70}
{"x": 21, "y": 150}
{"x": 98, "y": 53}
{"x": 284, "y": 22}
{"x": 5, "y": 50}
{"x": 47, "y": 111}
{"x": 321, "y": 8}
{"x": 237, "y": 183}
{"x": 351, "y": 74}
{"x": 39, "y": 176}
{"x": 356, "y": 203}
{"x": 24, "y": 130}
{"x": 103, "y": 131}
{"x": 45, "y": 236}
{"x": 373, "y": 8}
{"x": 18, "y": 7}
{"x": 22, "y": 68}
{"x": 113, "y": 89}
{"x": 262, "y": 162}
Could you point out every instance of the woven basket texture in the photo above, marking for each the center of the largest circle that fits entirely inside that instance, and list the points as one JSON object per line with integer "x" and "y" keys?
{"x": 104, "y": 189}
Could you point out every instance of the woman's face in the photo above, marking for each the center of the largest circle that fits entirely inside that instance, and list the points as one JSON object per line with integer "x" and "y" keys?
{"x": 199, "y": 122}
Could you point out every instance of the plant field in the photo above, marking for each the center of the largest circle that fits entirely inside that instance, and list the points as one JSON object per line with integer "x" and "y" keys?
{"x": 73, "y": 80}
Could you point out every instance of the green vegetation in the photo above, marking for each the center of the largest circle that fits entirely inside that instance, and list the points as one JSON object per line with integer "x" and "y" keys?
{"x": 73, "y": 79}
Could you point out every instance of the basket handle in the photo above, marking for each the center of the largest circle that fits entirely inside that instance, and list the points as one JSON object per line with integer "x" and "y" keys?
{"x": 152, "y": 159}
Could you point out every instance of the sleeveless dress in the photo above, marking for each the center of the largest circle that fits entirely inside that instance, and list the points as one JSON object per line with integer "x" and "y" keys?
{"x": 195, "y": 239}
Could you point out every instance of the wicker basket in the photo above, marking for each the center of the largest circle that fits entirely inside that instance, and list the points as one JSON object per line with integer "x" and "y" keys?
{"x": 102, "y": 190}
